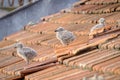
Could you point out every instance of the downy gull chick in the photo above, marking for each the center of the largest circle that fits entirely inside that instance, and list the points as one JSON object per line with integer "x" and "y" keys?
{"x": 101, "y": 24}
{"x": 25, "y": 53}
{"x": 64, "y": 36}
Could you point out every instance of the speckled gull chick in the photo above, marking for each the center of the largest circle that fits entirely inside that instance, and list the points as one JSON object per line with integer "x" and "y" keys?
{"x": 99, "y": 25}
{"x": 25, "y": 53}
{"x": 64, "y": 36}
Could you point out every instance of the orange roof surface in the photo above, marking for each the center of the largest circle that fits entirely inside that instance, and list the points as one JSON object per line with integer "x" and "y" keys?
{"x": 84, "y": 57}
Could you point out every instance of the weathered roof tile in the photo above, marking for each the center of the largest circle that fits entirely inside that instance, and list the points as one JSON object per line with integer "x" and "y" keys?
{"x": 112, "y": 44}
{"x": 8, "y": 60}
{"x": 101, "y": 2}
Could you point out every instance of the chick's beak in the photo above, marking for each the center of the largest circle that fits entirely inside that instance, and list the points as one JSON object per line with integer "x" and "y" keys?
{"x": 55, "y": 30}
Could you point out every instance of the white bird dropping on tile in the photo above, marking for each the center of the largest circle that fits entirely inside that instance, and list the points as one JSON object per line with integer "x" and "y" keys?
{"x": 101, "y": 24}
{"x": 26, "y": 53}
{"x": 64, "y": 36}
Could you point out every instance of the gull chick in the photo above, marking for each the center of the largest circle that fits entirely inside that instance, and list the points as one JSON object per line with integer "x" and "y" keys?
{"x": 26, "y": 53}
{"x": 64, "y": 36}
{"x": 98, "y": 28}
{"x": 101, "y": 24}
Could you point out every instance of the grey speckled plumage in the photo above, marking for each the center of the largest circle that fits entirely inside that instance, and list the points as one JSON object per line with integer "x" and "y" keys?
{"x": 64, "y": 36}
{"x": 25, "y": 52}
{"x": 99, "y": 25}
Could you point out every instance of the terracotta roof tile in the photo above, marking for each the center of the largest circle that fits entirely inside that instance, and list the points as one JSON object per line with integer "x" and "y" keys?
{"x": 9, "y": 52}
{"x": 60, "y": 76}
{"x": 36, "y": 69}
{"x": 4, "y": 43}
{"x": 93, "y": 9}
{"x": 8, "y": 60}
{"x": 118, "y": 9}
{"x": 70, "y": 18}
{"x": 78, "y": 3}
{"x": 52, "y": 72}
{"x": 114, "y": 60}
{"x": 107, "y": 57}
{"x": 42, "y": 72}
{"x": 71, "y": 61}
{"x": 38, "y": 39}
{"x": 62, "y": 72}
{"x": 8, "y": 77}
{"x": 44, "y": 27}
{"x": 112, "y": 44}
{"x": 11, "y": 69}
{"x": 66, "y": 61}
{"x": 87, "y": 59}
{"x": 78, "y": 75}
{"x": 92, "y": 60}
{"x": 102, "y": 2}
{"x": 20, "y": 36}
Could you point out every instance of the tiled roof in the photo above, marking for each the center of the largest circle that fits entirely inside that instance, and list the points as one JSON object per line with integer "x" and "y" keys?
{"x": 61, "y": 72}
{"x": 84, "y": 57}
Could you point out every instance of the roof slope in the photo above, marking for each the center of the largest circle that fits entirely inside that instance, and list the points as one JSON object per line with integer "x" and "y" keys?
{"x": 84, "y": 57}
